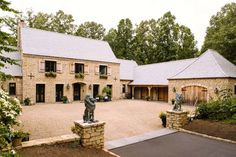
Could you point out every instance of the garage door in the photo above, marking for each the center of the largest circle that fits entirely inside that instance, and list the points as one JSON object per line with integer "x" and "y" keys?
{"x": 194, "y": 94}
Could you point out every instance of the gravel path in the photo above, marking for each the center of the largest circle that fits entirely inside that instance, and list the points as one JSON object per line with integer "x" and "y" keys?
{"x": 124, "y": 118}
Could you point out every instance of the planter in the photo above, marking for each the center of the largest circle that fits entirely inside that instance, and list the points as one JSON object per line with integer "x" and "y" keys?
{"x": 17, "y": 142}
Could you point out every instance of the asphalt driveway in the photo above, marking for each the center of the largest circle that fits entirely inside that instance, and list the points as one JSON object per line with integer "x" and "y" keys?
{"x": 178, "y": 145}
{"x": 124, "y": 118}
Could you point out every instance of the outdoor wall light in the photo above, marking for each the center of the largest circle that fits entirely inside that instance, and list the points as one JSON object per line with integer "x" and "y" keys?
{"x": 68, "y": 86}
{"x": 216, "y": 90}
{"x": 174, "y": 89}
{"x": 90, "y": 86}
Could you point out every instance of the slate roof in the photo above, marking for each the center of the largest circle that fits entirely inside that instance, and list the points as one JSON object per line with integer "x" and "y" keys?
{"x": 40, "y": 42}
{"x": 127, "y": 69}
{"x": 14, "y": 70}
{"x": 209, "y": 65}
{"x": 158, "y": 74}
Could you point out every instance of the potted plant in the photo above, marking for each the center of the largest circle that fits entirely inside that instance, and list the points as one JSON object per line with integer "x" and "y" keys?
{"x": 79, "y": 75}
{"x": 65, "y": 99}
{"x": 163, "y": 118}
{"x": 107, "y": 91}
{"x": 26, "y": 136}
{"x": 17, "y": 138}
{"x": 27, "y": 101}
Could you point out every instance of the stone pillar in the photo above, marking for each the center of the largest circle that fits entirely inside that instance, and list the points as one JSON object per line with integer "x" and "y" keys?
{"x": 91, "y": 134}
{"x": 176, "y": 119}
{"x": 132, "y": 91}
{"x": 149, "y": 91}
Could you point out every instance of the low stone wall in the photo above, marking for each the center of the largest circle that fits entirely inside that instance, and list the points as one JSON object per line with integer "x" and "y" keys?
{"x": 91, "y": 134}
{"x": 176, "y": 119}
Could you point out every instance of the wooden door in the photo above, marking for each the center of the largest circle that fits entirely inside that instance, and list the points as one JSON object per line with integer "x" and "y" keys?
{"x": 76, "y": 91}
{"x": 59, "y": 92}
{"x": 162, "y": 93}
{"x": 193, "y": 94}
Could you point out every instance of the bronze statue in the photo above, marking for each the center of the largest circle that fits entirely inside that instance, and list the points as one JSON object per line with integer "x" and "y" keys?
{"x": 178, "y": 102}
{"x": 89, "y": 102}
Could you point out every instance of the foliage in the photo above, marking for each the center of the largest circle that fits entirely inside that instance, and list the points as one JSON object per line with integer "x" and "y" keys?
{"x": 152, "y": 40}
{"x": 79, "y": 75}
{"x": 107, "y": 91}
{"x": 163, "y": 118}
{"x": 6, "y": 41}
{"x": 9, "y": 110}
{"x": 99, "y": 98}
{"x": 27, "y": 101}
{"x": 51, "y": 74}
{"x": 217, "y": 110}
{"x": 65, "y": 99}
{"x": 225, "y": 94}
{"x": 91, "y": 30}
{"x": 221, "y": 34}
{"x": 20, "y": 134}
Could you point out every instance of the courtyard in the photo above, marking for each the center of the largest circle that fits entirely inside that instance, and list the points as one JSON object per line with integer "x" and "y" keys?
{"x": 124, "y": 118}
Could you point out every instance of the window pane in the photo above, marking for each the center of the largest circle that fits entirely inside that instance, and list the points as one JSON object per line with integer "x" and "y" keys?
{"x": 50, "y": 66}
{"x": 103, "y": 69}
{"x": 79, "y": 68}
{"x": 12, "y": 88}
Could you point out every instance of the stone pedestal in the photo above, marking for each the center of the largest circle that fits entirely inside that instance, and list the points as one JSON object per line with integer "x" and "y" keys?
{"x": 91, "y": 134}
{"x": 176, "y": 119}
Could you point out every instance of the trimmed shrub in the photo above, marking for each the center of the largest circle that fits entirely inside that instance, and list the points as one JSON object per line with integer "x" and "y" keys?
{"x": 217, "y": 110}
{"x": 163, "y": 118}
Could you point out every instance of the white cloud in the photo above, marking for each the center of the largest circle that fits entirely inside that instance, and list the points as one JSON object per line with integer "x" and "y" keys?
{"x": 193, "y": 13}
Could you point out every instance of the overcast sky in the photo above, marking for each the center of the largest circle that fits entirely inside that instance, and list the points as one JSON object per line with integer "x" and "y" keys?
{"x": 195, "y": 14}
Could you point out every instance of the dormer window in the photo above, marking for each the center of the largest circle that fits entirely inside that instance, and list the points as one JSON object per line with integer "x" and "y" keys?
{"x": 79, "y": 68}
{"x": 103, "y": 70}
{"x": 50, "y": 66}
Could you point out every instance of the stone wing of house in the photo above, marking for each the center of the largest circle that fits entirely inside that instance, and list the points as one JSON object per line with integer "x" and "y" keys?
{"x": 209, "y": 65}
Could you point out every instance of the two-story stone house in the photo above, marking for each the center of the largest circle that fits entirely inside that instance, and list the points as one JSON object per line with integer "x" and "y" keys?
{"x": 55, "y": 65}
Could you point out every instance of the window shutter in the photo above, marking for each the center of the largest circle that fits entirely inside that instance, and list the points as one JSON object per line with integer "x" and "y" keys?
{"x": 97, "y": 70}
{"x": 109, "y": 71}
{"x": 41, "y": 66}
{"x": 59, "y": 67}
{"x": 72, "y": 68}
{"x": 86, "y": 69}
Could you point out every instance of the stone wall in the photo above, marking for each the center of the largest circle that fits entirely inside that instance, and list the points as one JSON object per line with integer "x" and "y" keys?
{"x": 91, "y": 134}
{"x": 176, "y": 119}
{"x": 18, "y": 81}
{"x": 31, "y": 64}
{"x": 211, "y": 84}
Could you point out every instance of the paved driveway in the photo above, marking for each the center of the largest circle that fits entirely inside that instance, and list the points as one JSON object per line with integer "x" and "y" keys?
{"x": 178, "y": 144}
{"x": 123, "y": 118}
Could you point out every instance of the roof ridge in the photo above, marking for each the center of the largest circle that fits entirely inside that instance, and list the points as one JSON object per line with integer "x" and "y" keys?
{"x": 169, "y": 61}
{"x": 217, "y": 63}
{"x": 68, "y": 35}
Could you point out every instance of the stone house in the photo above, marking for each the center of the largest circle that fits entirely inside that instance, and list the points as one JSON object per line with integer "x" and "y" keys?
{"x": 55, "y": 65}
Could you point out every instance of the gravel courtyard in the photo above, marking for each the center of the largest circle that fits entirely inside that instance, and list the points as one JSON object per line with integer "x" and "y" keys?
{"x": 123, "y": 118}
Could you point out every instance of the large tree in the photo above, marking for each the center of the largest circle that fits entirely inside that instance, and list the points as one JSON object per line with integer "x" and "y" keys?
{"x": 6, "y": 40}
{"x": 91, "y": 30}
{"x": 123, "y": 37}
{"x": 163, "y": 40}
{"x": 221, "y": 34}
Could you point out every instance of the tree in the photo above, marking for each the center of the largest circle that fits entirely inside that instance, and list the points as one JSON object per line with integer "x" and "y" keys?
{"x": 59, "y": 22}
{"x": 221, "y": 34}
{"x": 163, "y": 40}
{"x": 6, "y": 40}
{"x": 91, "y": 30}
{"x": 123, "y": 37}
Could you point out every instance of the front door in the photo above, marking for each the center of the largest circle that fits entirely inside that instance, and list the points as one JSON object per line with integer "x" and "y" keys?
{"x": 59, "y": 92}
{"x": 40, "y": 92}
{"x": 76, "y": 91}
{"x": 95, "y": 90}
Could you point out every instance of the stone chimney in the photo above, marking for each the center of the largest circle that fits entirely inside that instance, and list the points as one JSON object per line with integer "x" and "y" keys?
{"x": 21, "y": 24}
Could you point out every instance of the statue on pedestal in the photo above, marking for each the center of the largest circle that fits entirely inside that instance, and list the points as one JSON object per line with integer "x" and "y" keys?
{"x": 88, "y": 116}
{"x": 178, "y": 102}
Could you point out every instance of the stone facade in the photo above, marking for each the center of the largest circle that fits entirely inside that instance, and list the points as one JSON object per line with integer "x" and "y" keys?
{"x": 91, "y": 134}
{"x": 176, "y": 119}
{"x": 18, "y": 81}
{"x": 31, "y": 65}
{"x": 210, "y": 84}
